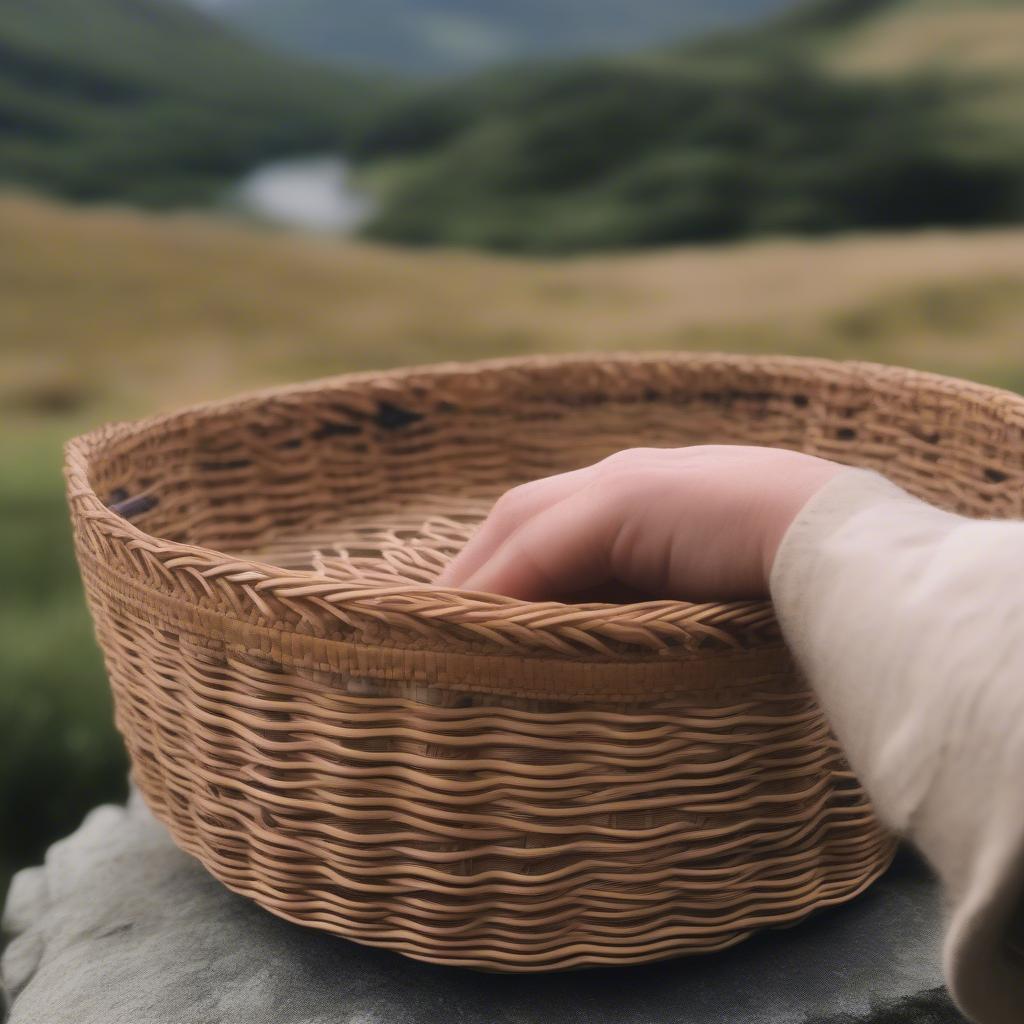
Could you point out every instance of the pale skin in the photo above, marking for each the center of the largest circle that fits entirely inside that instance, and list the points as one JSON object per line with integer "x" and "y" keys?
{"x": 696, "y": 524}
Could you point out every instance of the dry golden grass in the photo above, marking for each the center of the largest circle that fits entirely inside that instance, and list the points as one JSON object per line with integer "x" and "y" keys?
{"x": 107, "y": 312}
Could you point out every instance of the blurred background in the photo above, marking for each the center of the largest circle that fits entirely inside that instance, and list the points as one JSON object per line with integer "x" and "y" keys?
{"x": 202, "y": 196}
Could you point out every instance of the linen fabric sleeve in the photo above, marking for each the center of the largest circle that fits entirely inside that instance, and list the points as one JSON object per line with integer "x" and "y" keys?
{"x": 908, "y": 623}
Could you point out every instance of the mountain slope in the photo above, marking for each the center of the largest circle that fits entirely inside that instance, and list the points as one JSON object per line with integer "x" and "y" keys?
{"x": 763, "y": 130}
{"x": 446, "y": 36}
{"x": 974, "y": 48}
{"x": 151, "y": 101}
{"x": 899, "y": 36}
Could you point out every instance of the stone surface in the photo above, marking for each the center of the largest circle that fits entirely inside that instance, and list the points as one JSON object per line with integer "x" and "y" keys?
{"x": 119, "y": 927}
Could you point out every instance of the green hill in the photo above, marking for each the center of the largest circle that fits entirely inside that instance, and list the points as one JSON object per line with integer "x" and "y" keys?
{"x": 783, "y": 128}
{"x": 446, "y": 36}
{"x": 153, "y": 102}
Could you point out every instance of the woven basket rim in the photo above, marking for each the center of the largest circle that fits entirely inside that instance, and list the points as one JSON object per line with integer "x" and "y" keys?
{"x": 692, "y": 625}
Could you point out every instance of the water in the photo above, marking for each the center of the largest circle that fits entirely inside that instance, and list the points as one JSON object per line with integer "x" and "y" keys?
{"x": 313, "y": 194}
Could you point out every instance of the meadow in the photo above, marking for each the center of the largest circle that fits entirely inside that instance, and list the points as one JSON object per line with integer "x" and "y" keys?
{"x": 108, "y": 313}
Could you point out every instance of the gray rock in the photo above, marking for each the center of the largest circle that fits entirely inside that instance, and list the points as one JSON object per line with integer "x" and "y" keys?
{"x": 120, "y": 927}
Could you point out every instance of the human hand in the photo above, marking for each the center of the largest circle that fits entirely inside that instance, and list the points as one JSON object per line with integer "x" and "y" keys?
{"x": 696, "y": 524}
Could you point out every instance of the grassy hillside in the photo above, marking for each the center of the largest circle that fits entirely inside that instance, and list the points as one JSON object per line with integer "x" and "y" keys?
{"x": 108, "y": 313}
{"x": 975, "y": 46}
{"x": 451, "y": 36}
{"x": 779, "y": 129}
{"x": 892, "y": 37}
{"x": 151, "y": 101}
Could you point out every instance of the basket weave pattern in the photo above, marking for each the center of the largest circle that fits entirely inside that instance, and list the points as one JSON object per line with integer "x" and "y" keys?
{"x": 466, "y": 778}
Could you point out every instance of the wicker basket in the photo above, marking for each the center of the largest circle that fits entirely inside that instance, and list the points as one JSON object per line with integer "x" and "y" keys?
{"x": 469, "y": 779}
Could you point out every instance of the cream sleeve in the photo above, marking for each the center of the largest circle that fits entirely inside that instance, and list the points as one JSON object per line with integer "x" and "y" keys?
{"x": 909, "y": 624}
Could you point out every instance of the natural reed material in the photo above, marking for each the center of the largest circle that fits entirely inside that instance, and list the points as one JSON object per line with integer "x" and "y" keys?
{"x": 466, "y": 778}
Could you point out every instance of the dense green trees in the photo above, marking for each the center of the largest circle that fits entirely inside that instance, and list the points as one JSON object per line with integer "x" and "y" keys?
{"x": 631, "y": 153}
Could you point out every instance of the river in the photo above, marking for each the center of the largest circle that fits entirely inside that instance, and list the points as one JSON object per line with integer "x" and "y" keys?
{"x": 313, "y": 193}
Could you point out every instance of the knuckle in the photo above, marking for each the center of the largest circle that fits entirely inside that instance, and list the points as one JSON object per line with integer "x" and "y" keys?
{"x": 701, "y": 451}
{"x": 623, "y": 459}
{"x": 512, "y": 503}
{"x": 635, "y": 461}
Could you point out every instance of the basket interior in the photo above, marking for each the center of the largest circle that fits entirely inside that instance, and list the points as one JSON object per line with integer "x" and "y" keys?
{"x": 382, "y": 479}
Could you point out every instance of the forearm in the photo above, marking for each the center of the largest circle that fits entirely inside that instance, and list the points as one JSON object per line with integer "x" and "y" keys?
{"x": 909, "y": 624}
